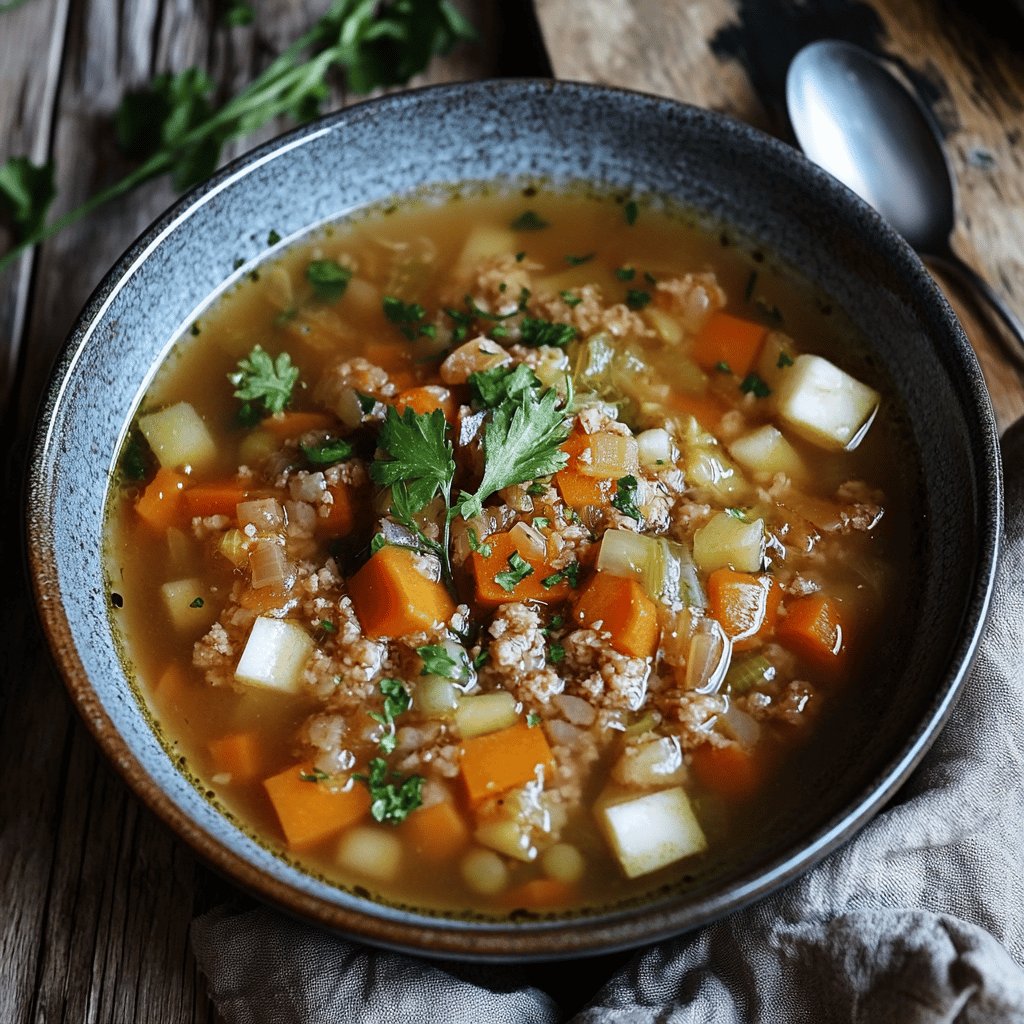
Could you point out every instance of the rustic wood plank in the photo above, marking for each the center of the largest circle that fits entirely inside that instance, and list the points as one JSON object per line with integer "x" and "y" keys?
{"x": 732, "y": 55}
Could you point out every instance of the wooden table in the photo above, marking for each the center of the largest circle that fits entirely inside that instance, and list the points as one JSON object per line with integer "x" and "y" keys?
{"x": 97, "y": 894}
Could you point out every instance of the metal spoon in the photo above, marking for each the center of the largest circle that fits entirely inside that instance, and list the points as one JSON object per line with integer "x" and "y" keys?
{"x": 855, "y": 119}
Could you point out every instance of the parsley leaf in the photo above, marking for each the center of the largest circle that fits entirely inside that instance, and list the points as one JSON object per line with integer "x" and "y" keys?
{"x": 529, "y": 221}
{"x": 624, "y": 498}
{"x": 396, "y": 701}
{"x": 328, "y": 278}
{"x": 408, "y": 317}
{"x": 785, "y": 359}
{"x": 723, "y": 367}
{"x": 637, "y": 298}
{"x": 438, "y": 662}
{"x": 197, "y": 603}
{"x": 517, "y": 571}
{"x": 261, "y": 379}
{"x": 569, "y": 299}
{"x": 26, "y": 191}
{"x": 632, "y": 211}
{"x": 533, "y": 719}
{"x": 492, "y": 387}
{"x": 481, "y": 547}
{"x": 392, "y": 796}
{"x": 571, "y": 574}
{"x": 314, "y": 776}
{"x": 521, "y": 442}
{"x": 578, "y": 261}
{"x": 327, "y": 452}
{"x": 421, "y": 463}
{"x": 535, "y": 332}
{"x": 556, "y": 653}
{"x": 753, "y": 384}
{"x": 625, "y": 273}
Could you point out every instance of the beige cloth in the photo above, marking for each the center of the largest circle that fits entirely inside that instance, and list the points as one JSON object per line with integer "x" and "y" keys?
{"x": 920, "y": 918}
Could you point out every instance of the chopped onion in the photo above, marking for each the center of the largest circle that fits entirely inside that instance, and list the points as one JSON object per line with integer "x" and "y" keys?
{"x": 234, "y": 547}
{"x": 268, "y": 564}
{"x": 709, "y": 657}
{"x": 475, "y": 356}
{"x": 742, "y": 727}
{"x": 529, "y": 542}
{"x": 517, "y": 497}
{"x": 436, "y": 697}
{"x": 655, "y": 447}
{"x": 265, "y": 514}
{"x": 612, "y": 456}
{"x": 576, "y": 710}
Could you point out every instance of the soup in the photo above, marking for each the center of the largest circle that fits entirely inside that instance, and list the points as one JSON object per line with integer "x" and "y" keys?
{"x": 493, "y": 556}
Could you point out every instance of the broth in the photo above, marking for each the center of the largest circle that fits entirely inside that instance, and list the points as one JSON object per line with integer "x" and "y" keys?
{"x": 572, "y": 689}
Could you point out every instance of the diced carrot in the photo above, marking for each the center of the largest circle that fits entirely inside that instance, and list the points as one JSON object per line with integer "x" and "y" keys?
{"x": 309, "y": 812}
{"x": 727, "y": 339}
{"x": 436, "y": 833}
{"x": 744, "y": 604}
{"x": 426, "y": 399}
{"x": 160, "y": 503}
{"x": 813, "y": 628}
{"x": 390, "y": 356}
{"x": 707, "y": 409}
{"x": 496, "y": 762}
{"x": 292, "y": 424}
{"x": 265, "y": 599}
{"x": 403, "y": 379}
{"x": 174, "y": 690}
{"x": 341, "y": 518}
{"x": 540, "y": 893}
{"x": 392, "y": 598}
{"x": 489, "y": 591}
{"x": 577, "y": 489}
{"x": 216, "y": 499}
{"x": 730, "y": 771}
{"x": 623, "y": 608}
{"x": 240, "y": 754}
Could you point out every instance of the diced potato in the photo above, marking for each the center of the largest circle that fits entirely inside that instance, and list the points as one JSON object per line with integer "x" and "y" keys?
{"x": 436, "y": 697}
{"x": 655, "y": 447}
{"x": 652, "y": 831}
{"x": 729, "y": 541}
{"x": 178, "y": 437}
{"x": 486, "y": 712}
{"x": 371, "y": 851}
{"x": 612, "y": 456}
{"x": 764, "y": 452}
{"x": 776, "y": 360}
{"x": 274, "y": 656}
{"x": 713, "y": 474}
{"x": 824, "y": 404}
{"x": 188, "y": 604}
{"x": 484, "y": 872}
{"x": 256, "y": 446}
{"x": 507, "y": 837}
{"x": 657, "y": 763}
{"x": 483, "y": 242}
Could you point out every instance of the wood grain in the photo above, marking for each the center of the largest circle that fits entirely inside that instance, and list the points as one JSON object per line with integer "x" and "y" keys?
{"x": 732, "y": 56}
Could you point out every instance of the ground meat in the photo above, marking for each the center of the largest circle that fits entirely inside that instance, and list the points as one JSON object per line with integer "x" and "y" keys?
{"x": 337, "y": 381}
{"x": 500, "y": 282}
{"x": 696, "y": 714}
{"x": 687, "y": 517}
{"x": 692, "y": 298}
{"x": 216, "y": 656}
{"x": 590, "y": 314}
{"x": 204, "y": 527}
{"x": 326, "y": 735}
{"x": 792, "y": 703}
{"x": 517, "y": 659}
{"x": 600, "y": 674}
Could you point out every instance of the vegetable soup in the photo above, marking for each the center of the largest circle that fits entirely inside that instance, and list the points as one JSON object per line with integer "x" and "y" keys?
{"x": 494, "y": 555}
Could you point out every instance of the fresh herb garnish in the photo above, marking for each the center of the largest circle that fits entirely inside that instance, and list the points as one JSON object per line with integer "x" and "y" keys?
{"x": 328, "y": 278}
{"x": 737, "y": 513}
{"x": 556, "y": 653}
{"x": 624, "y": 498}
{"x": 314, "y": 776}
{"x": 517, "y": 571}
{"x": 481, "y": 547}
{"x": 528, "y": 221}
{"x": 264, "y": 381}
{"x": 637, "y": 298}
{"x": 571, "y": 575}
{"x": 367, "y": 403}
{"x": 748, "y": 292}
{"x": 625, "y": 273}
{"x": 632, "y": 211}
{"x": 392, "y": 796}
{"x": 535, "y": 332}
{"x": 569, "y": 299}
{"x": 172, "y": 125}
{"x": 753, "y": 384}
{"x": 327, "y": 626}
{"x": 379, "y": 541}
{"x": 408, "y": 317}
{"x": 541, "y": 523}
{"x": 327, "y": 452}
{"x": 723, "y": 367}
{"x": 578, "y": 261}
{"x": 481, "y": 659}
{"x": 536, "y": 488}
{"x": 438, "y": 662}
{"x": 396, "y": 701}
{"x": 533, "y": 719}
{"x": 490, "y": 388}
{"x": 520, "y": 256}
{"x": 135, "y": 461}
{"x": 197, "y": 602}
{"x": 650, "y": 278}
{"x": 521, "y": 443}
{"x": 784, "y": 360}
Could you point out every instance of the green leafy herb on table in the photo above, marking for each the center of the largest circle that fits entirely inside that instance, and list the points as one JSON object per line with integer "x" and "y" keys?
{"x": 174, "y": 126}
{"x": 264, "y": 381}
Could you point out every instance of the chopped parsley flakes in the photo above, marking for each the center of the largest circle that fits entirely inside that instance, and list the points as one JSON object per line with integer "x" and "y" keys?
{"x": 535, "y": 332}
{"x": 261, "y": 380}
{"x": 529, "y": 221}
{"x": 754, "y": 385}
{"x": 328, "y": 278}
{"x": 517, "y": 571}
{"x": 624, "y": 498}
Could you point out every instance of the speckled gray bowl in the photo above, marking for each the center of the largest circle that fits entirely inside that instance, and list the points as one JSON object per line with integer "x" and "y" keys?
{"x": 516, "y": 132}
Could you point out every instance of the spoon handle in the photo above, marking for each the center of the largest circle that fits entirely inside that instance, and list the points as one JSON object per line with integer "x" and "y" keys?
{"x": 974, "y": 282}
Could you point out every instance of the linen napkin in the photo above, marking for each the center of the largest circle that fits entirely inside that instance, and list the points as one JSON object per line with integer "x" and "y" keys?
{"x": 920, "y": 918}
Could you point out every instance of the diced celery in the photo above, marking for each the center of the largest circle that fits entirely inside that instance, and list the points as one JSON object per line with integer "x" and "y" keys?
{"x": 188, "y": 604}
{"x": 486, "y": 712}
{"x": 713, "y": 474}
{"x": 663, "y": 567}
{"x": 436, "y": 697}
{"x": 750, "y": 672}
{"x": 764, "y": 452}
{"x": 824, "y": 404}
{"x": 652, "y": 831}
{"x": 729, "y": 541}
{"x": 612, "y": 456}
{"x": 178, "y": 437}
{"x": 274, "y": 656}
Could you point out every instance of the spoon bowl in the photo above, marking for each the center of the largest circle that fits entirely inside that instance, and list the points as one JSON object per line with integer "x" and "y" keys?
{"x": 854, "y": 118}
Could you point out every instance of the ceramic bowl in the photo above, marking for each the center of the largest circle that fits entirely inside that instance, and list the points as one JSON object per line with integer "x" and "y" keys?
{"x": 556, "y": 133}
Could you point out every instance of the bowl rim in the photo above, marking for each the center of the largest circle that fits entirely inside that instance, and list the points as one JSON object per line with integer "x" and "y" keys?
{"x": 572, "y": 936}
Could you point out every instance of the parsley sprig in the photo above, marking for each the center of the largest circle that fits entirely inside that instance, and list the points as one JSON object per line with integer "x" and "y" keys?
{"x": 392, "y": 796}
{"x": 265, "y": 382}
{"x": 396, "y": 702}
{"x": 174, "y": 126}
